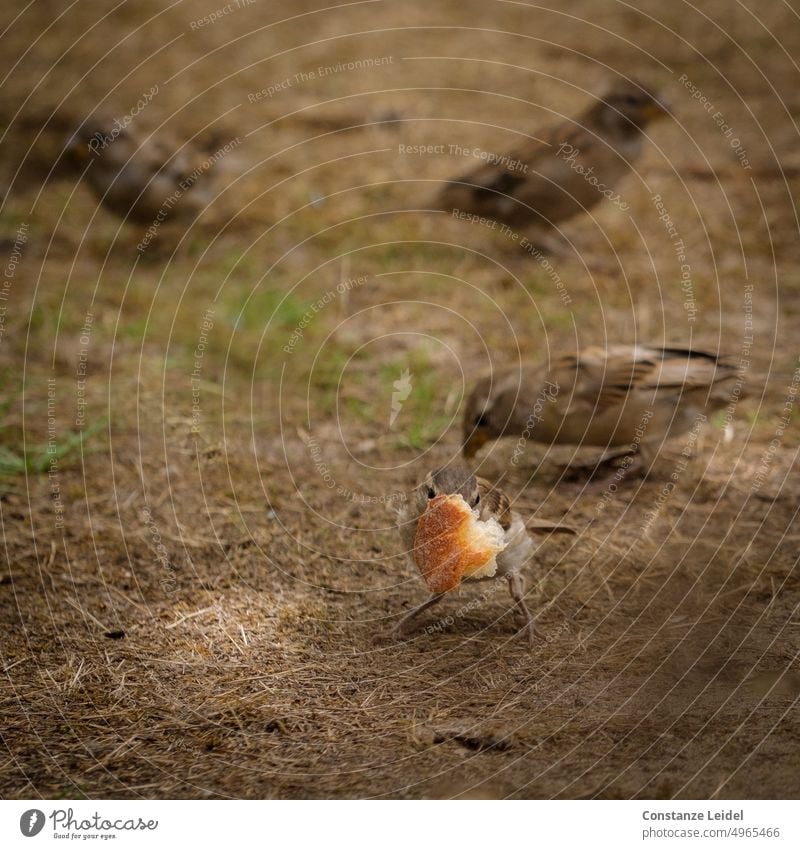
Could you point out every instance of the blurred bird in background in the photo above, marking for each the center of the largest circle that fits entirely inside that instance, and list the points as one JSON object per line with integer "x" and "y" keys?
{"x": 144, "y": 179}
{"x": 567, "y": 169}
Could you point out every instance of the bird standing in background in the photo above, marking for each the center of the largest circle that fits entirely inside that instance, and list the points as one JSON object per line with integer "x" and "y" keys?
{"x": 491, "y": 503}
{"x": 567, "y": 169}
{"x": 632, "y": 396}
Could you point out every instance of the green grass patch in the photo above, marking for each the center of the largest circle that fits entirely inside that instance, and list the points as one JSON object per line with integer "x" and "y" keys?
{"x": 38, "y": 459}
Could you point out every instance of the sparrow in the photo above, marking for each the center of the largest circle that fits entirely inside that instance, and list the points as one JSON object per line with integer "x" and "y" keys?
{"x": 633, "y": 396}
{"x": 142, "y": 179}
{"x": 566, "y": 169}
{"x": 492, "y": 503}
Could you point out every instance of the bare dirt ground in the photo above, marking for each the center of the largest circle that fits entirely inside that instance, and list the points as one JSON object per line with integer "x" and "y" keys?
{"x": 192, "y": 589}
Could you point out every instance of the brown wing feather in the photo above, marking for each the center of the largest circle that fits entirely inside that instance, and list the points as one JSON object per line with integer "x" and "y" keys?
{"x": 604, "y": 379}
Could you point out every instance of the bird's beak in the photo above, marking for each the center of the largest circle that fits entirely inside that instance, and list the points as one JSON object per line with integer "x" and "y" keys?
{"x": 473, "y": 442}
{"x": 76, "y": 149}
{"x": 657, "y": 109}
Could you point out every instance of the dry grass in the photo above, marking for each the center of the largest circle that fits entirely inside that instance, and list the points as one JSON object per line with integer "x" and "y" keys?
{"x": 203, "y": 623}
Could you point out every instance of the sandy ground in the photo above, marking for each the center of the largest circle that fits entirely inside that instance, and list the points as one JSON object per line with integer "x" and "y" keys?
{"x": 196, "y": 573}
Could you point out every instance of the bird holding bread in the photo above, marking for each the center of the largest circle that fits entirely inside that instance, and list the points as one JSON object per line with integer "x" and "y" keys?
{"x": 566, "y": 169}
{"x": 458, "y": 527}
{"x": 634, "y": 396}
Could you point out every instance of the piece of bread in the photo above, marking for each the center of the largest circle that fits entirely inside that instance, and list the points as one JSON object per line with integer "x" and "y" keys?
{"x": 452, "y": 543}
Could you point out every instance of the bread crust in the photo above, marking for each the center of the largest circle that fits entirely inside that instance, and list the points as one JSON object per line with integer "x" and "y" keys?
{"x": 451, "y": 544}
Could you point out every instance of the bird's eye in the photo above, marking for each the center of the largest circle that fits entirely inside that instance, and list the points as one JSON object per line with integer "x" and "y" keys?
{"x": 632, "y": 100}
{"x": 480, "y": 421}
{"x": 430, "y": 491}
{"x": 477, "y": 499}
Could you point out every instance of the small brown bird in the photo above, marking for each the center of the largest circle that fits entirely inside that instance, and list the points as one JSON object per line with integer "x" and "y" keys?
{"x": 632, "y": 396}
{"x": 144, "y": 180}
{"x": 567, "y": 169}
{"x": 491, "y": 503}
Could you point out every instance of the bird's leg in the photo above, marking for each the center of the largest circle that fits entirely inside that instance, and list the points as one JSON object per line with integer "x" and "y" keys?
{"x": 401, "y": 627}
{"x": 517, "y": 588}
{"x": 605, "y": 460}
{"x": 611, "y": 454}
{"x": 545, "y": 240}
{"x": 647, "y": 454}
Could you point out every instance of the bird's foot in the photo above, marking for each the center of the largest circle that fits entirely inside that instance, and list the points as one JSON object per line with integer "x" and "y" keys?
{"x": 539, "y": 243}
{"x": 394, "y": 635}
{"x": 611, "y": 461}
{"x": 398, "y": 633}
{"x": 528, "y": 628}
